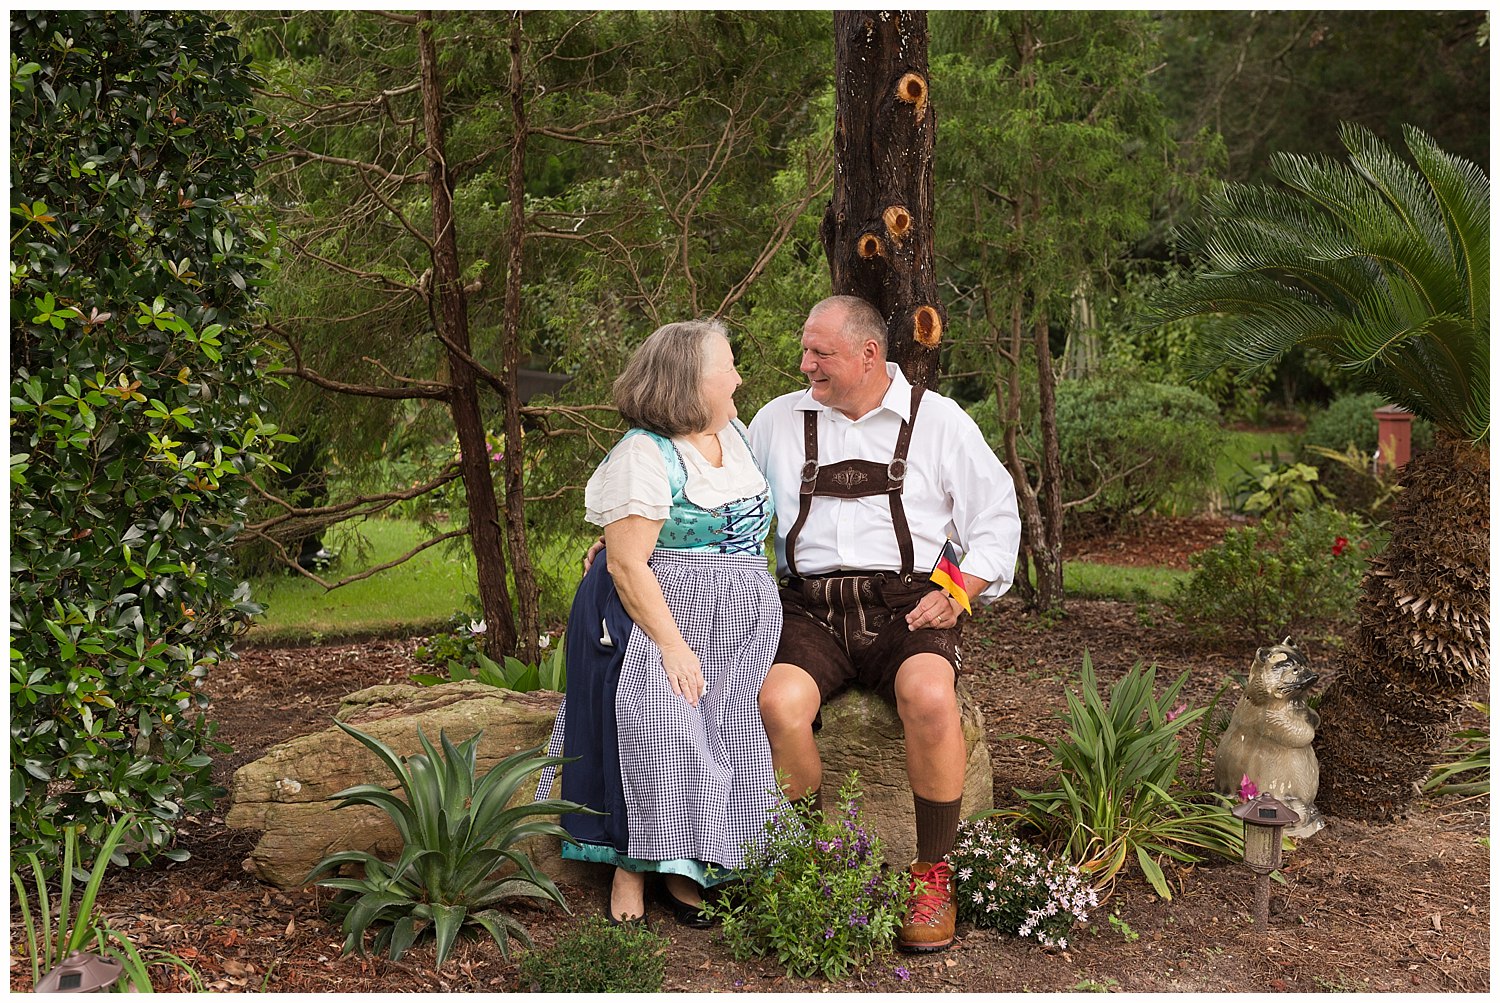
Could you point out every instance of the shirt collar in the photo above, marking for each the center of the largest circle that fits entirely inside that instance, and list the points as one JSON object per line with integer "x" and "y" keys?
{"x": 897, "y": 397}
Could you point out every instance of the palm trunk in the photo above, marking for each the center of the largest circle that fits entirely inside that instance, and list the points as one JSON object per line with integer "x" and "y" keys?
{"x": 1421, "y": 651}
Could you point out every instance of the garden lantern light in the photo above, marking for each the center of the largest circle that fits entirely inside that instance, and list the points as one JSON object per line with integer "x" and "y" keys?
{"x": 1264, "y": 818}
{"x": 80, "y": 972}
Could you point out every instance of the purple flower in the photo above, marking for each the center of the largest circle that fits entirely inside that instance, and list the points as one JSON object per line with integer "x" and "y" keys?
{"x": 902, "y": 973}
{"x": 828, "y": 933}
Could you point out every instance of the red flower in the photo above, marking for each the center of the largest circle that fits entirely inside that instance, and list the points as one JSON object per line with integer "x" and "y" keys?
{"x": 1339, "y": 544}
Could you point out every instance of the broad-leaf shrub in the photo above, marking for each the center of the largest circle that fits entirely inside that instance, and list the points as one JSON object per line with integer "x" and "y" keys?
{"x": 459, "y": 834}
{"x": 1117, "y": 796}
{"x": 135, "y": 410}
{"x": 1125, "y": 443}
{"x": 1271, "y": 581}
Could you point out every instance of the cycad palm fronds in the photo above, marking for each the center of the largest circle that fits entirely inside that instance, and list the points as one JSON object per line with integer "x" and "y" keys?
{"x": 1379, "y": 263}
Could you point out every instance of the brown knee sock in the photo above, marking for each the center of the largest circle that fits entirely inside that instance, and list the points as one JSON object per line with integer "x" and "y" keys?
{"x": 937, "y": 824}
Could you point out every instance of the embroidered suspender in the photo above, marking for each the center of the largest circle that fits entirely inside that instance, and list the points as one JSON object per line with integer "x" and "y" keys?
{"x": 854, "y": 479}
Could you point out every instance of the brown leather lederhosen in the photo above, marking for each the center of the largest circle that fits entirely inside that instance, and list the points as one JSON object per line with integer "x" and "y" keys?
{"x": 860, "y": 612}
{"x": 854, "y": 479}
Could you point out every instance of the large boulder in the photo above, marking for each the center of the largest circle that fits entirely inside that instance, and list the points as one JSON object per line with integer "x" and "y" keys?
{"x": 862, "y": 732}
{"x": 285, "y": 793}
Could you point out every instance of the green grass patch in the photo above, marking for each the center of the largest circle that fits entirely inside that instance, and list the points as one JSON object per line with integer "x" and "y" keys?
{"x": 1108, "y": 581}
{"x": 416, "y": 597}
{"x": 410, "y": 598}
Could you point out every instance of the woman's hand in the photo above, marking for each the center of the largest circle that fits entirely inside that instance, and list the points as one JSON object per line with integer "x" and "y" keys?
{"x": 684, "y": 673}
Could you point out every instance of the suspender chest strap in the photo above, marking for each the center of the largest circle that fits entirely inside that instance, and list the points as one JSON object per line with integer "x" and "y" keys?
{"x": 854, "y": 479}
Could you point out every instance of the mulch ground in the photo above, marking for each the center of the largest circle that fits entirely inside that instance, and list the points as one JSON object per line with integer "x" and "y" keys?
{"x": 1396, "y": 907}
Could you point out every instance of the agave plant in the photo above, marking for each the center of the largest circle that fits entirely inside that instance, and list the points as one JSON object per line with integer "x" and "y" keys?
{"x": 1381, "y": 264}
{"x": 1117, "y": 795}
{"x": 460, "y": 855}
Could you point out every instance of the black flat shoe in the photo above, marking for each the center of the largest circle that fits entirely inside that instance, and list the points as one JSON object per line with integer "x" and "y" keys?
{"x": 616, "y": 921}
{"x": 685, "y": 913}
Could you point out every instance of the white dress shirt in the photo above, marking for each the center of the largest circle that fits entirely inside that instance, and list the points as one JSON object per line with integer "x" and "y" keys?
{"x": 955, "y": 488}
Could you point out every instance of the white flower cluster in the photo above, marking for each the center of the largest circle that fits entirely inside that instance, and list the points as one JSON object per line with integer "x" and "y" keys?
{"x": 1008, "y": 884}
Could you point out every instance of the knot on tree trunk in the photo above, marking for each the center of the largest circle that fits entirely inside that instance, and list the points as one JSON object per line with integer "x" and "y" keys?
{"x": 897, "y": 223}
{"x": 871, "y": 246}
{"x": 912, "y": 89}
{"x": 926, "y": 326}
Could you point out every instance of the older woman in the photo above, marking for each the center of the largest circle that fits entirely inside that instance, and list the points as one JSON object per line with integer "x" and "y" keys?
{"x": 671, "y": 633}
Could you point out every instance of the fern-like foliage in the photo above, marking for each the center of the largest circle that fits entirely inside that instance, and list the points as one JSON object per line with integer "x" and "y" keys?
{"x": 1378, "y": 262}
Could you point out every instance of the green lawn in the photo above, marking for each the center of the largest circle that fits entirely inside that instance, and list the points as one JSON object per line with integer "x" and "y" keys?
{"x": 420, "y": 594}
{"x": 412, "y": 598}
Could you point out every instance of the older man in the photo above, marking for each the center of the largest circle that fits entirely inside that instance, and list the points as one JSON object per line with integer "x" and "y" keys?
{"x": 871, "y": 476}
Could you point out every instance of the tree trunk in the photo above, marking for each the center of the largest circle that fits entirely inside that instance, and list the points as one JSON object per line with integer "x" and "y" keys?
{"x": 1421, "y": 651}
{"x": 878, "y": 229}
{"x": 1033, "y": 534}
{"x": 527, "y": 614}
{"x": 451, "y": 318}
{"x": 1047, "y": 551}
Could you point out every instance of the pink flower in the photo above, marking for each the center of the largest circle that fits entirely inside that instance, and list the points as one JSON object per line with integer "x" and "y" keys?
{"x": 1248, "y": 789}
{"x": 1176, "y": 712}
{"x": 1338, "y": 545}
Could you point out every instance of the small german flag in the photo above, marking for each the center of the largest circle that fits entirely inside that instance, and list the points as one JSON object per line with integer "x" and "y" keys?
{"x": 945, "y": 572}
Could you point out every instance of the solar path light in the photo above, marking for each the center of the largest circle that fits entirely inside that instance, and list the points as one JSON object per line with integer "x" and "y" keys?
{"x": 1264, "y": 818}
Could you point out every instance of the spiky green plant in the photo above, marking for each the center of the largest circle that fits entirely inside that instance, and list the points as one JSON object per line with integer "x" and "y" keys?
{"x": 54, "y": 929}
{"x": 460, "y": 854}
{"x": 1382, "y": 265}
{"x": 1117, "y": 795}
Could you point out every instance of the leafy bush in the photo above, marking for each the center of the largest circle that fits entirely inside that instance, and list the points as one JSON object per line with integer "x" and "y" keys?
{"x": 1349, "y": 424}
{"x": 813, "y": 893}
{"x": 598, "y": 957}
{"x": 1006, "y": 884}
{"x": 1117, "y": 793}
{"x": 136, "y": 415}
{"x": 1278, "y": 491}
{"x": 1124, "y": 442}
{"x": 456, "y": 833}
{"x": 460, "y": 655}
{"x": 56, "y": 931}
{"x": 1271, "y": 581}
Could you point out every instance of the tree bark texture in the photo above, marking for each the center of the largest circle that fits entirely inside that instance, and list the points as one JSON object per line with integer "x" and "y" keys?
{"x": 878, "y": 229}
{"x": 527, "y": 601}
{"x": 1046, "y": 551}
{"x": 451, "y": 317}
{"x": 1421, "y": 652}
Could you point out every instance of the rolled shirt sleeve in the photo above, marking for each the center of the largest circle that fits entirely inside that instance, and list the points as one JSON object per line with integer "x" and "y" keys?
{"x": 985, "y": 521}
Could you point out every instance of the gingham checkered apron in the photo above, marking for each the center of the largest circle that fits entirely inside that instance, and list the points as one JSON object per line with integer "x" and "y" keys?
{"x": 698, "y": 781}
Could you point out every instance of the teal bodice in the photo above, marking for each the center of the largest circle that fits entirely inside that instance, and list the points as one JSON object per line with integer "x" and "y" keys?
{"x": 736, "y": 527}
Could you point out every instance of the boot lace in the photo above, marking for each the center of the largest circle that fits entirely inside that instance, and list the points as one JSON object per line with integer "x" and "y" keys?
{"x": 929, "y": 892}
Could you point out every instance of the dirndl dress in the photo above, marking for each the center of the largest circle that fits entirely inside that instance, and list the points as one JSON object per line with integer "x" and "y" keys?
{"x": 684, "y": 789}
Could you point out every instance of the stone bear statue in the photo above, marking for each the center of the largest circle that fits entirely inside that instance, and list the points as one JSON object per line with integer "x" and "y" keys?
{"x": 1269, "y": 738}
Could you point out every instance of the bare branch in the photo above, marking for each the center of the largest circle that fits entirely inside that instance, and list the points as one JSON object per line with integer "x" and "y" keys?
{"x": 368, "y": 572}
{"x": 348, "y": 509}
{"x": 293, "y": 153}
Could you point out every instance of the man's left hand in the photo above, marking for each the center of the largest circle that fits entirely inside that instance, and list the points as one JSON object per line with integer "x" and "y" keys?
{"x": 936, "y": 609}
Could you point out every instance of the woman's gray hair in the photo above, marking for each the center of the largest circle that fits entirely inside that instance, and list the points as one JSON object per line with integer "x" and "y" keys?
{"x": 661, "y": 386}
